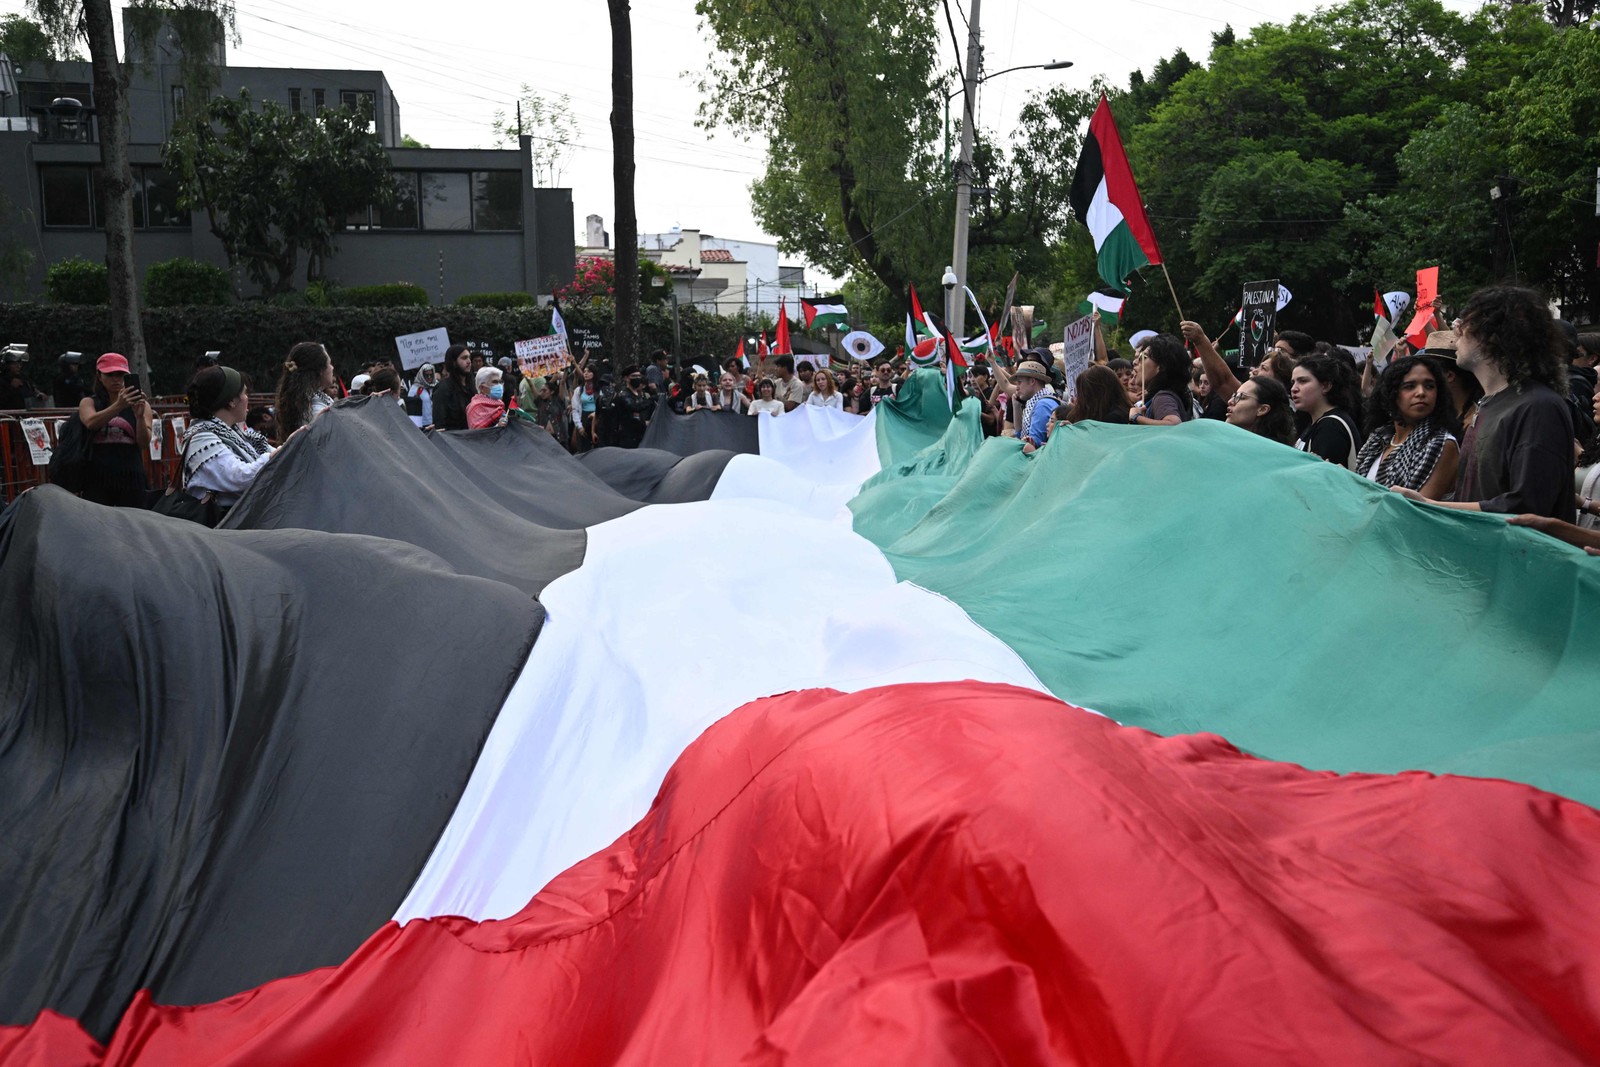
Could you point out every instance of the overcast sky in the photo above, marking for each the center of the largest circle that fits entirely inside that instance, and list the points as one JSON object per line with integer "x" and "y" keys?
{"x": 453, "y": 63}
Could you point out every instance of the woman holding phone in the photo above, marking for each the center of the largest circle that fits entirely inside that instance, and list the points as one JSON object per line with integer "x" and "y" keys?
{"x": 118, "y": 420}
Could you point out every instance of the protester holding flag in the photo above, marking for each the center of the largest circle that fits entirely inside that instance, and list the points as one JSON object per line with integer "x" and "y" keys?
{"x": 1223, "y": 380}
{"x": 1412, "y": 440}
{"x": 1162, "y": 368}
{"x": 1326, "y": 395}
{"x": 1517, "y": 457}
{"x": 488, "y": 407}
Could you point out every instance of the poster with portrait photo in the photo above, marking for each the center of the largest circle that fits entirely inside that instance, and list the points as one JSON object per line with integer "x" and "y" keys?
{"x": 1258, "y": 320}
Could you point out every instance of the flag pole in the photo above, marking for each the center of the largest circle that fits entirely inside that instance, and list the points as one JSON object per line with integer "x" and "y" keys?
{"x": 1181, "y": 316}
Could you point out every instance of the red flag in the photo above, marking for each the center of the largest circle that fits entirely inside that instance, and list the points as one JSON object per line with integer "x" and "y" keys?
{"x": 739, "y": 355}
{"x": 780, "y": 342}
{"x": 1378, "y": 307}
{"x": 761, "y": 348}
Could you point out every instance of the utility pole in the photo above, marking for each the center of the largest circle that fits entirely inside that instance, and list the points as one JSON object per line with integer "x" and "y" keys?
{"x": 954, "y": 298}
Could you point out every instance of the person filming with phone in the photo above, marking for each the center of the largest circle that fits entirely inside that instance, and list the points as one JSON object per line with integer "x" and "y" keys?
{"x": 118, "y": 420}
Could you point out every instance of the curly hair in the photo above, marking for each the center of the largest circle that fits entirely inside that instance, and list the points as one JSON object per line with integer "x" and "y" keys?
{"x": 1514, "y": 328}
{"x": 301, "y": 380}
{"x": 1338, "y": 380}
{"x": 1385, "y": 402}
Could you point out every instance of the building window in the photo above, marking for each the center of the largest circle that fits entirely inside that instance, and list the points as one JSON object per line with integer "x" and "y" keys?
{"x": 401, "y": 214}
{"x": 497, "y": 200}
{"x": 67, "y": 197}
{"x": 319, "y": 100}
{"x": 294, "y": 101}
{"x": 446, "y": 200}
{"x": 73, "y": 198}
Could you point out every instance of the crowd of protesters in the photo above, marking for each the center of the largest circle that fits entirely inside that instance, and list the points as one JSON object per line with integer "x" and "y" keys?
{"x": 1497, "y": 414}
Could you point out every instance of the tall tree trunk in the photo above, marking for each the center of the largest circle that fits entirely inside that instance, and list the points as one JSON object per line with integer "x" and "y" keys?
{"x": 626, "y": 343}
{"x": 116, "y": 187}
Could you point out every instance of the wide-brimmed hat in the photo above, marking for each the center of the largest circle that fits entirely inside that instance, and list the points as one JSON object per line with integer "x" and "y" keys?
{"x": 1441, "y": 345}
{"x": 112, "y": 363}
{"x": 1031, "y": 368}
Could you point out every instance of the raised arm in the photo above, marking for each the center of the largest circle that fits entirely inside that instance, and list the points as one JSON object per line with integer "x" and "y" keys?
{"x": 1223, "y": 381}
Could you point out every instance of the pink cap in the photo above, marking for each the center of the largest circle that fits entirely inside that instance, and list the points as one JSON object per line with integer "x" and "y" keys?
{"x": 111, "y": 363}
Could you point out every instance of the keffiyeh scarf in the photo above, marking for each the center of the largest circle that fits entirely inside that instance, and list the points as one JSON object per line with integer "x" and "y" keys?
{"x": 209, "y": 438}
{"x": 1412, "y": 461}
{"x": 1027, "y": 411}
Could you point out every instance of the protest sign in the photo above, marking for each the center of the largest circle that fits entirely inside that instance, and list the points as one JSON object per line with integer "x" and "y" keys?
{"x": 1427, "y": 298}
{"x": 1077, "y": 350}
{"x": 156, "y": 430}
{"x": 1258, "y": 319}
{"x": 38, "y": 438}
{"x": 541, "y": 355}
{"x": 429, "y": 346}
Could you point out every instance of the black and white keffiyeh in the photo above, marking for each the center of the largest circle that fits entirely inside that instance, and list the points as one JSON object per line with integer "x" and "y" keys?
{"x": 209, "y": 438}
{"x": 1412, "y": 461}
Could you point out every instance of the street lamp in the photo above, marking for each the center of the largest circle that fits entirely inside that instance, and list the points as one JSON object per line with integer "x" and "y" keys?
{"x": 955, "y": 306}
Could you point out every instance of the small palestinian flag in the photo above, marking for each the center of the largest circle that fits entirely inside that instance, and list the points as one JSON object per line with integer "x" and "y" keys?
{"x": 824, "y": 311}
{"x": 1105, "y": 199}
{"x": 1108, "y": 304}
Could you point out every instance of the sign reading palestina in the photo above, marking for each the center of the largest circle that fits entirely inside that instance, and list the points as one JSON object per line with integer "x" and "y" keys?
{"x": 1258, "y": 321}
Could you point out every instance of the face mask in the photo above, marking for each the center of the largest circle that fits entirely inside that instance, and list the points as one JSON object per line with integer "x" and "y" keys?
{"x": 497, "y": 390}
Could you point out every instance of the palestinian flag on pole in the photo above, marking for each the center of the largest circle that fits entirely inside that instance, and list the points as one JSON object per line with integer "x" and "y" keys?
{"x": 837, "y": 852}
{"x": 1105, "y": 199}
{"x": 919, "y": 332}
{"x": 824, "y": 311}
{"x": 1109, "y": 305}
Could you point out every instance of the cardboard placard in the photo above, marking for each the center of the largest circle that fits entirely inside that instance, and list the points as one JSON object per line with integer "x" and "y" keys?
{"x": 1427, "y": 299}
{"x": 541, "y": 355}
{"x": 428, "y": 346}
{"x": 1258, "y": 321}
{"x": 1077, "y": 350}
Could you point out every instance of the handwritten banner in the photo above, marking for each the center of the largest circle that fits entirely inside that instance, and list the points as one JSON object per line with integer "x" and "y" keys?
{"x": 1077, "y": 350}
{"x": 541, "y": 355}
{"x": 429, "y": 346}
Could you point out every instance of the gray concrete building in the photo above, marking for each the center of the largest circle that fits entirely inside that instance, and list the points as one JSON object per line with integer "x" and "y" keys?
{"x": 464, "y": 220}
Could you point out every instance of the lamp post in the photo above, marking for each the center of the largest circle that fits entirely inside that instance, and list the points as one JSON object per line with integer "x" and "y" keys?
{"x": 954, "y": 303}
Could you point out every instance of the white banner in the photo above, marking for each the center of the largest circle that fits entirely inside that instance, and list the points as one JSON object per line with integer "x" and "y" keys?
{"x": 38, "y": 438}
{"x": 1077, "y": 350}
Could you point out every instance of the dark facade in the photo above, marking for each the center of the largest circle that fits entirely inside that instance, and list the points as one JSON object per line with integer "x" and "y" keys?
{"x": 466, "y": 220}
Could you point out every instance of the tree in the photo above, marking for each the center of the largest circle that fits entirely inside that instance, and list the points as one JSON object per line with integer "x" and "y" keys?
{"x": 25, "y": 41}
{"x": 549, "y": 121}
{"x": 199, "y": 26}
{"x": 626, "y": 340}
{"x": 408, "y": 141}
{"x": 274, "y": 183}
{"x": 849, "y": 98}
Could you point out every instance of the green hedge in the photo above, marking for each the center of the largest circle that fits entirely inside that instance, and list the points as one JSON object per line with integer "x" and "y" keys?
{"x": 392, "y": 295}
{"x": 76, "y": 280}
{"x": 495, "y": 300}
{"x": 255, "y": 336}
{"x": 181, "y": 282}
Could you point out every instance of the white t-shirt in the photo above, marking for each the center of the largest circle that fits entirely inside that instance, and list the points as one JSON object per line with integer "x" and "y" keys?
{"x": 833, "y": 400}
{"x": 771, "y": 407}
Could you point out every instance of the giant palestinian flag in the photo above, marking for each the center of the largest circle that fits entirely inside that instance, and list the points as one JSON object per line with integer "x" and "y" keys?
{"x": 1105, "y": 199}
{"x": 809, "y": 739}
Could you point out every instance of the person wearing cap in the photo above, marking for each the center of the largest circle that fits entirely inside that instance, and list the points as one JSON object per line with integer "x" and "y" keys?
{"x": 221, "y": 455}
{"x": 631, "y": 408}
{"x": 68, "y": 390}
{"x": 119, "y": 422}
{"x": 1517, "y": 457}
{"x": 488, "y": 407}
{"x": 1464, "y": 388}
{"x": 1038, "y": 399}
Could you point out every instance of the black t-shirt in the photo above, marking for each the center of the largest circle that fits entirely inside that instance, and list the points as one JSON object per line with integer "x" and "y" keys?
{"x": 1517, "y": 456}
{"x": 1333, "y": 437}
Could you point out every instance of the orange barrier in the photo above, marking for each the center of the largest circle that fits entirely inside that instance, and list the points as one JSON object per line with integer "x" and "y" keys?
{"x": 19, "y": 472}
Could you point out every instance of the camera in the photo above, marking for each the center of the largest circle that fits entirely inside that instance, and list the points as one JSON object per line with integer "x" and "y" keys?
{"x": 949, "y": 280}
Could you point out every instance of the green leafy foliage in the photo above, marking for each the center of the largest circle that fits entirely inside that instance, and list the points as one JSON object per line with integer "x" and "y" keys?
{"x": 549, "y": 122}
{"x": 388, "y": 295}
{"x": 76, "y": 280}
{"x": 274, "y": 184}
{"x": 255, "y": 336}
{"x": 495, "y": 300}
{"x": 178, "y": 282}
